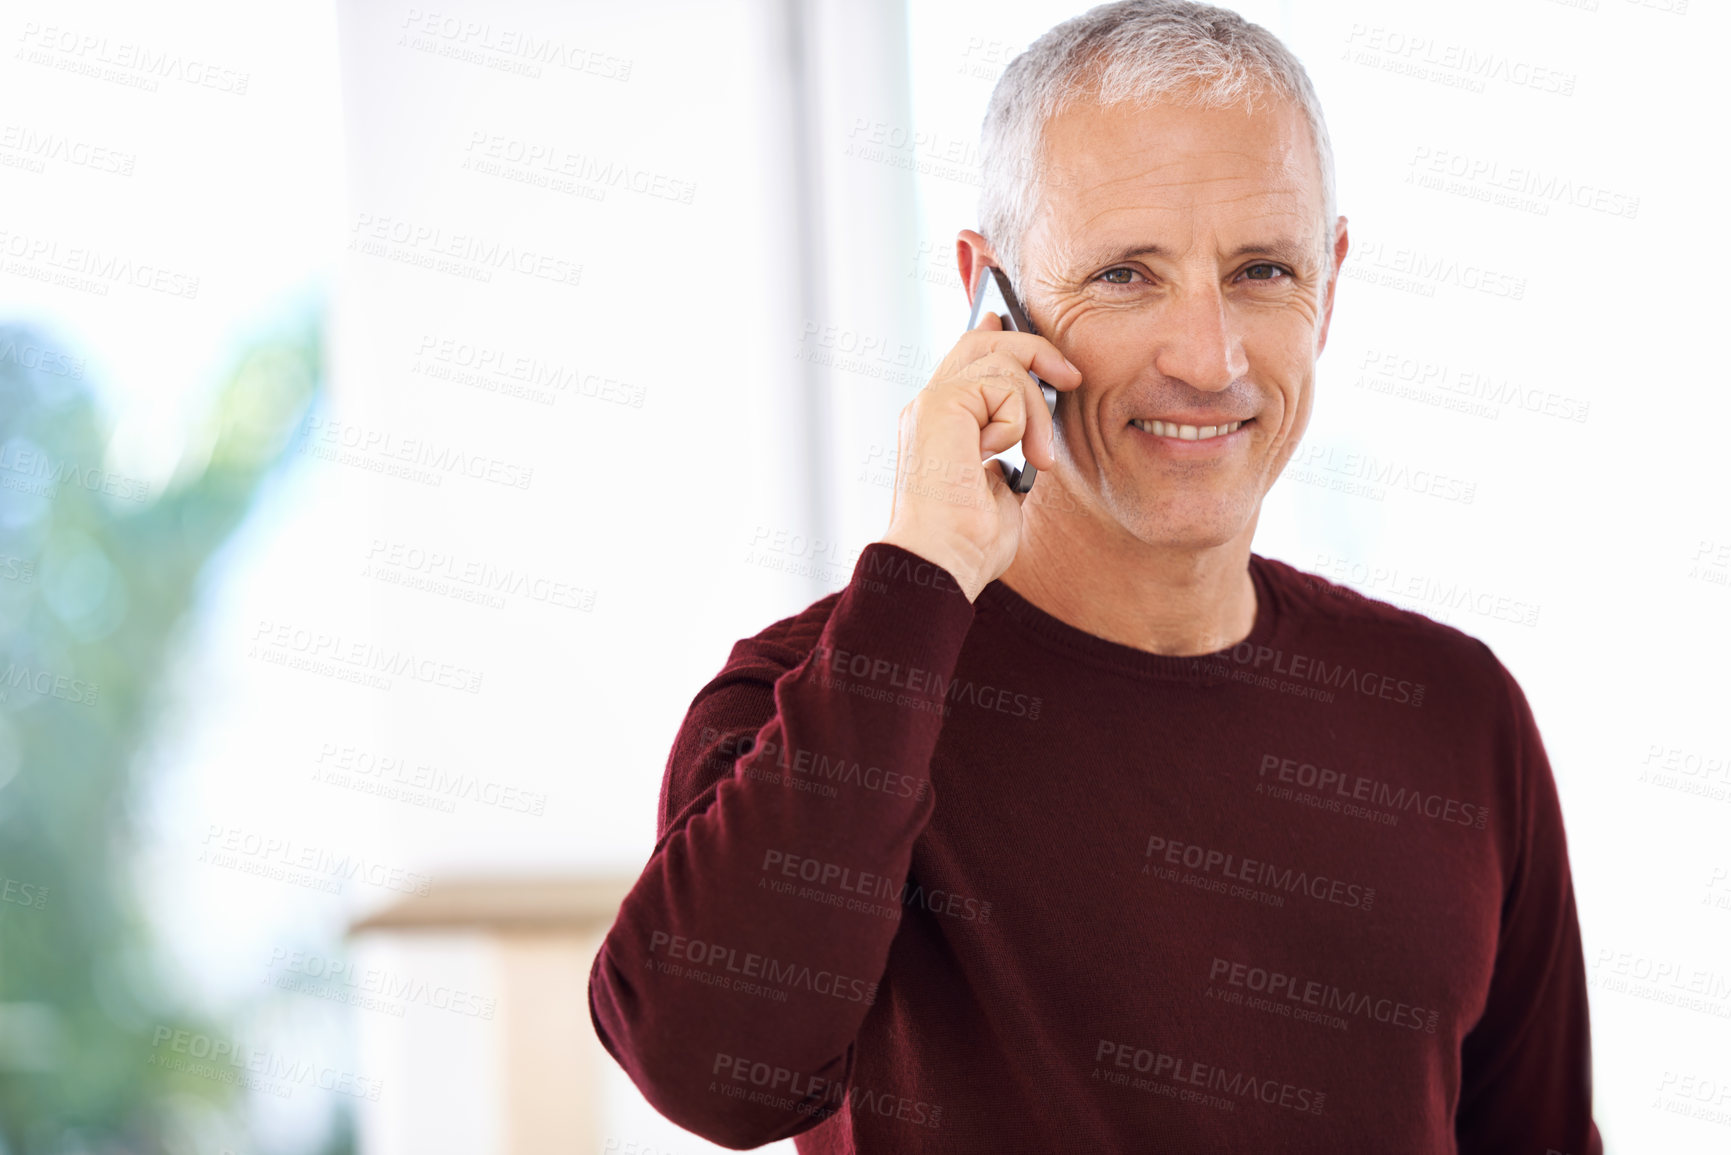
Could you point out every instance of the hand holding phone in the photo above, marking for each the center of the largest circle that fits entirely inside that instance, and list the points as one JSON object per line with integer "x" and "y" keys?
{"x": 997, "y": 386}
{"x": 994, "y": 294}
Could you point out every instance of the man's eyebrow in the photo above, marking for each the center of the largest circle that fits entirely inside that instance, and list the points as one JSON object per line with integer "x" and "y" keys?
{"x": 1113, "y": 256}
{"x": 1280, "y": 248}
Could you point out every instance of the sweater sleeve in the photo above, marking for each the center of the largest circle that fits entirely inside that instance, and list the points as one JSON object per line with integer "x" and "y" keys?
{"x": 742, "y": 963}
{"x": 1526, "y": 1066}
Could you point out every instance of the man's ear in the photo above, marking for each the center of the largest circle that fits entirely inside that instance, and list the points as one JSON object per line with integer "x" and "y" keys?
{"x": 1341, "y": 243}
{"x": 973, "y": 253}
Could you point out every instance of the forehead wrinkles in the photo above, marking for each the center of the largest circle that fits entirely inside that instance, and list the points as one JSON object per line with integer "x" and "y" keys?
{"x": 1253, "y": 212}
{"x": 1147, "y": 206}
{"x": 1176, "y": 155}
{"x": 1253, "y": 201}
{"x": 1221, "y": 175}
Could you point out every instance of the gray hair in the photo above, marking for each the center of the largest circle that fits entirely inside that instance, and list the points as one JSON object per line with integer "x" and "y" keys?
{"x": 1136, "y": 51}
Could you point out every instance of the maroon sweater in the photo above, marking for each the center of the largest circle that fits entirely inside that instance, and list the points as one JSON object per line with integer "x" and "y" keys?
{"x": 941, "y": 876}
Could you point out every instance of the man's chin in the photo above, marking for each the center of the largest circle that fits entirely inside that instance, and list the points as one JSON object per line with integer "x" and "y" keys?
{"x": 1194, "y": 538}
{"x": 1189, "y": 527}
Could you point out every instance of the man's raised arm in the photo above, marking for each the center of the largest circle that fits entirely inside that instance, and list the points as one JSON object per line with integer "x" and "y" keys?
{"x": 731, "y": 1001}
{"x": 730, "y": 997}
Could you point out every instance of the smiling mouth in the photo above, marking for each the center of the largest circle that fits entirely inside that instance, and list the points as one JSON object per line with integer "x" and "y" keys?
{"x": 1189, "y": 432}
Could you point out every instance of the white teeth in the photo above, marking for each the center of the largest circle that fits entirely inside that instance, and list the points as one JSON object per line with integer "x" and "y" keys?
{"x": 1187, "y": 432}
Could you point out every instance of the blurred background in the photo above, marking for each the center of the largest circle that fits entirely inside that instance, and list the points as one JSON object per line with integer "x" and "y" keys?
{"x": 404, "y": 409}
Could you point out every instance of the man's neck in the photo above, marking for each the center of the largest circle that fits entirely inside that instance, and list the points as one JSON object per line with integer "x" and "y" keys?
{"x": 1164, "y": 599}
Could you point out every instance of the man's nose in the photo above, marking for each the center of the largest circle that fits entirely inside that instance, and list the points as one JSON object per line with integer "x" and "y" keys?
{"x": 1199, "y": 343}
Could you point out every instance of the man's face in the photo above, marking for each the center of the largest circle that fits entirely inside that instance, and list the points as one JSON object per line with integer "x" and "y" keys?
{"x": 1180, "y": 262}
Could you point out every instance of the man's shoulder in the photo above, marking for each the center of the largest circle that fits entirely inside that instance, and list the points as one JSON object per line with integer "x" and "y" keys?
{"x": 1343, "y": 612}
{"x": 796, "y": 633}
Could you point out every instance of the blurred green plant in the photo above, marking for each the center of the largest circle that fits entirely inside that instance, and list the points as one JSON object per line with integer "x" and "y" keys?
{"x": 97, "y": 576}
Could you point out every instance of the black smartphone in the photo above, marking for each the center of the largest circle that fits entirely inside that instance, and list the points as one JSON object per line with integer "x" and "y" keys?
{"x": 995, "y": 293}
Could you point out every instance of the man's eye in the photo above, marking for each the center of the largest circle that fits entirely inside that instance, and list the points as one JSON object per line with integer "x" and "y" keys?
{"x": 1266, "y": 274}
{"x": 1113, "y": 277}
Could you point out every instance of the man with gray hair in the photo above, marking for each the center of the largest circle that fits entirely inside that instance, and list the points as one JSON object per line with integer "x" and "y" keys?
{"x": 1071, "y": 823}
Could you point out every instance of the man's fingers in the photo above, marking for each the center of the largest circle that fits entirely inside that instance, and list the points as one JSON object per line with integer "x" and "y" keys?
{"x": 1037, "y": 442}
{"x": 1016, "y": 409}
{"x": 1033, "y": 351}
